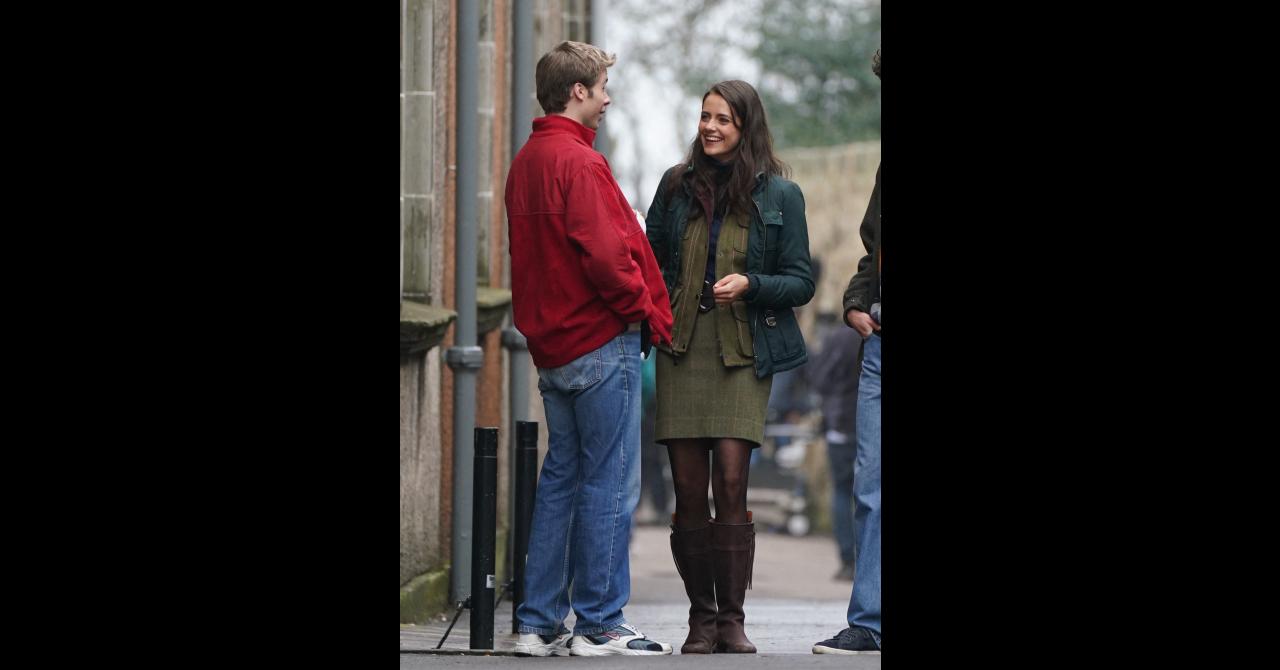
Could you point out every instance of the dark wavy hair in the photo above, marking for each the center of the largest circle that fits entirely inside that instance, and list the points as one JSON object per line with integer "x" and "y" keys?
{"x": 875, "y": 64}
{"x": 754, "y": 153}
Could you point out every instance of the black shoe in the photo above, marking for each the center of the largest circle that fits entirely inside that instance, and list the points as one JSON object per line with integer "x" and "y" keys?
{"x": 852, "y": 640}
{"x": 845, "y": 574}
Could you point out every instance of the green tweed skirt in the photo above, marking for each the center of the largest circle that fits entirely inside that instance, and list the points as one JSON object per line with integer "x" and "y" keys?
{"x": 698, "y": 397}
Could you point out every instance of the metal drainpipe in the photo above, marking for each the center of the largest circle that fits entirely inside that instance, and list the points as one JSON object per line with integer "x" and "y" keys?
{"x": 599, "y": 16}
{"x": 522, "y": 60}
{"x": 465, "y": 358}
{"x": 514, "y": 341}
{"x": 402, "y": 152}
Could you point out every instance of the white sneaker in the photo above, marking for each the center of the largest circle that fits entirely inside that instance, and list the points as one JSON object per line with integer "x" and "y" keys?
{"x": 622, "y": 640}
{"x": 532, "y": 644}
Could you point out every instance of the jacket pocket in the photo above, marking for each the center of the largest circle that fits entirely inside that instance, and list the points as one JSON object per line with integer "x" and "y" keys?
{"x": 742, "y": 320}
{"x": 772, "y": 231}
{"x": 581, "y": 373}
{"x": 772, "y": 228}
{"x": 783, "y": 336}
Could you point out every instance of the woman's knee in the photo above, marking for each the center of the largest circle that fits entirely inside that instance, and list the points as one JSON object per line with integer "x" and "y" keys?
{"x": 732, "y": 484}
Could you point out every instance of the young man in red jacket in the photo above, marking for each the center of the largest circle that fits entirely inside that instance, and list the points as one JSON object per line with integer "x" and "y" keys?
{"x": 585, "y": 287}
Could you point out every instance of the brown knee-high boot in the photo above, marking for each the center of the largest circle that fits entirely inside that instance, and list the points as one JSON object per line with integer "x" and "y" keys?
{"x": 734, "y": 545}
{"x": 691, "y": 550}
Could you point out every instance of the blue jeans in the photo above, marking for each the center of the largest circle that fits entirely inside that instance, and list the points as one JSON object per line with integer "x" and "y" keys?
{"x": 587, "y": 492}
{"x": 864, "y": 602}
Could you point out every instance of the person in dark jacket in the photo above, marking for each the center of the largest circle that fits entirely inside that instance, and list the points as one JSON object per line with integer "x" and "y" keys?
{"x": 730, "y": 235}
{"x": 833, "y": 373}
{"x": 862, "y": 313}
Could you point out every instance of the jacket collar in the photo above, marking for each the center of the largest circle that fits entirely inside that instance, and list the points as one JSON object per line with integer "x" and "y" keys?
{"x": 554, "y": 124}
{"x": 760, "y": 178}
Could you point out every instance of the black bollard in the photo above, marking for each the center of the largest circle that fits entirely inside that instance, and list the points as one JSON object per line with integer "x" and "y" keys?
{"x": 526, "y": 466}
{"x": 483, "y": 529}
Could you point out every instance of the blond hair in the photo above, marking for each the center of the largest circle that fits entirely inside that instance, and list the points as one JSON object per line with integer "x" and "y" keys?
{"x": 568, "y": 64}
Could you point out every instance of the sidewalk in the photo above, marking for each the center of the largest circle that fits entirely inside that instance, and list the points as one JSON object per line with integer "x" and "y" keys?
{"x": 792, "y": 604}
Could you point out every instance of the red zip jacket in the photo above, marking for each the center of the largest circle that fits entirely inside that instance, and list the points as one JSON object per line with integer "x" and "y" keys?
{"x": 581, "y": 267}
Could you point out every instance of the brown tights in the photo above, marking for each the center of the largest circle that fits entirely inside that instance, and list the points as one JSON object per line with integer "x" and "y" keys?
{"x": 692, "y": 472}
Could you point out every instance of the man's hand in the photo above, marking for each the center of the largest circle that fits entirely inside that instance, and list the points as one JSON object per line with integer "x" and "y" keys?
{"x": 659, "y": 328}
{"x": 861, "y": 322}
{"x": 731, "y": 288}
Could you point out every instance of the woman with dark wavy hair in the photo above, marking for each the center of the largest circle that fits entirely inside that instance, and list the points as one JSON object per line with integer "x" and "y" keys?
{"x": 729, "y": 232}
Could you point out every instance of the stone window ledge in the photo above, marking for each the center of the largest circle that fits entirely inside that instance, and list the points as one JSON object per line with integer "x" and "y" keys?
{"x": 422, "y": 326}
{"x": 491, "y": 308}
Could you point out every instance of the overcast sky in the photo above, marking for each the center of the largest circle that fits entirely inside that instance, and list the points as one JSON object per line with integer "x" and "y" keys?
{"x": 651, "y": 122}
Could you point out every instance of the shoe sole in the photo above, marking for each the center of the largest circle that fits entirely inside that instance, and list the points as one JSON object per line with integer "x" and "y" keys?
{"x": 605, "y": 650}
{"x": 540, "y": 652}
{"x": 819, "y": 649}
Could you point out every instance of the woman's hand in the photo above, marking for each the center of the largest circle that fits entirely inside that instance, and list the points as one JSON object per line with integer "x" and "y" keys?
{"x": 730, "y": 288}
